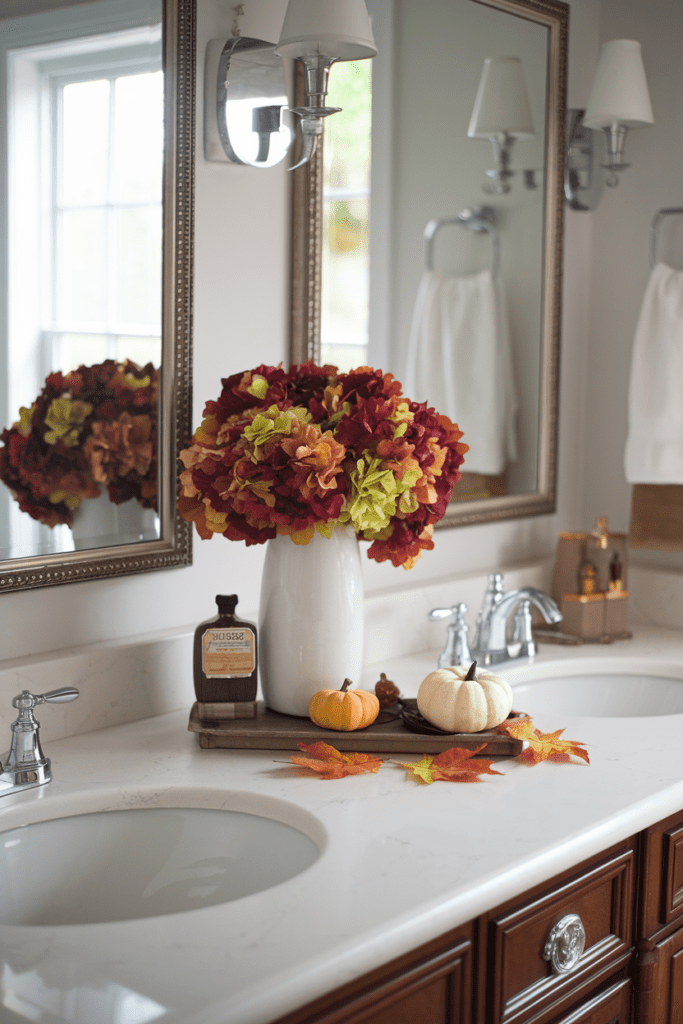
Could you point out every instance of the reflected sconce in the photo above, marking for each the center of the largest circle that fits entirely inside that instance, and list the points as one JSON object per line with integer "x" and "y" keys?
{"x": 619, "y": 99}
{"x": 501, "y": 114}
{"x": 248, "y": 119}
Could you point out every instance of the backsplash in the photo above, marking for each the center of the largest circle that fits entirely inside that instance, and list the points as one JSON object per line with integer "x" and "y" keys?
{"x": 148, "y": 676}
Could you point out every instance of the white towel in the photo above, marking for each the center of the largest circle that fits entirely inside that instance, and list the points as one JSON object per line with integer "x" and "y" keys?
{"x": 459, "y": 361}
{"x": 654, "y": 446}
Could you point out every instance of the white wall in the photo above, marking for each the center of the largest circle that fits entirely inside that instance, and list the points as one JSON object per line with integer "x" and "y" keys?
{"x": 241, "y": 319}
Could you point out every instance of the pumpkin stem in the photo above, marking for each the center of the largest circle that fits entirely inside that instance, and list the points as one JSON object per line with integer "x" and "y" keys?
{"x": 471, "y": 672}
{"x": 348, "y": 682}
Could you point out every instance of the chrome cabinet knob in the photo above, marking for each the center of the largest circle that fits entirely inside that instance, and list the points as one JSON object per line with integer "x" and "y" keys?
{"x": 565, "y": 944}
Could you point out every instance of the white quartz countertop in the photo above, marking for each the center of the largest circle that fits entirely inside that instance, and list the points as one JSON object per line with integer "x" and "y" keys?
{"x": 401, "y": 862}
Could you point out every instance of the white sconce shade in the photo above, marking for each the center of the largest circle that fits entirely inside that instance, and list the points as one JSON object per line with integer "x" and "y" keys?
{"x": 619, "y": 92}
{"x": 340, "y": 29}
{"x": 501, "y": 106}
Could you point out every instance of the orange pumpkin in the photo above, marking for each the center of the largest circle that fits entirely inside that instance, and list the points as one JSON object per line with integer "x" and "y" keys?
{"x": 343, "y": 710}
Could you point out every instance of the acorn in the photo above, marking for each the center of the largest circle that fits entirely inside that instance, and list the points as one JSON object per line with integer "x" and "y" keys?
{"x": 386, "y": 692}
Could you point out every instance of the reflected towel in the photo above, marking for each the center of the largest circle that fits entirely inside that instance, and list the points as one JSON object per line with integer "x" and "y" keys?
{"x": 459, "y": 361}
{"x": 654, "y": 446}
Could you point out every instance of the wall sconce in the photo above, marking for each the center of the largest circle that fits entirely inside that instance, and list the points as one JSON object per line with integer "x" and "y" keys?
{"x": 501, "y": 114}
{"x": 619, "y": 99}
{"x": 247, "y": 119}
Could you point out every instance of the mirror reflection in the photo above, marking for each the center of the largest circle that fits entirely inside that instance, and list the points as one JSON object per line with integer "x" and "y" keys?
{"x": 441, "y": 214}
{"x": 80, "y": 338}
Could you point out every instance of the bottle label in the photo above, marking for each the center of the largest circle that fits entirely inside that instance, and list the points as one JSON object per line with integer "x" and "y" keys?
{"x": 228, "y": 653}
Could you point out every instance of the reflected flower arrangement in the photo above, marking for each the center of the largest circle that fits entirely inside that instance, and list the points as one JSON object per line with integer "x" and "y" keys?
{"x": 92, "y": 428}
{"x": 292, "y": 452}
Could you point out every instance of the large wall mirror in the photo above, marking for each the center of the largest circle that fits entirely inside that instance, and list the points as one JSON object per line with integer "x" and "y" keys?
{"x": 412, "y": 252}
{"x": 96, "y": 180}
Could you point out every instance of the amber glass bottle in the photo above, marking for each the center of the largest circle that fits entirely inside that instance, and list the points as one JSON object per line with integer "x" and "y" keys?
{"x": 225, "y": 656}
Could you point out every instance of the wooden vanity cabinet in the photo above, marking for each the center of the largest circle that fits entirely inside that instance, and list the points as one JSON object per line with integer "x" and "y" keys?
{"x": 493, "y": 970}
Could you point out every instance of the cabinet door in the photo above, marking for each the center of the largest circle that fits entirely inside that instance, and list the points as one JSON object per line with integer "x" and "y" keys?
{"x": 432, "y": 985}
{"x": 612, "y": 1006}
{"x": 660, "y": 982}
{"x": 661, "y": 893}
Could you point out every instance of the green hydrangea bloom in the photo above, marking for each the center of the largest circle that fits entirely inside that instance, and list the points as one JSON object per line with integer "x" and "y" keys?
{"x": 374, "y": 492}
{"x": 268, "y": 424}
{"x": 65, "y": 418}
{"x": 25, "y": 420}
{"x": 258, "y": 387}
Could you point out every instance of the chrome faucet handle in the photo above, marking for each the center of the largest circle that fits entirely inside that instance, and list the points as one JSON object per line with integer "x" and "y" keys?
{"x": 493, "y": 595}
{"x": 456, "y": 651}
{"x": 25, "y": 765}
{"x": 61, "y": 696}
{"x": 523, "y": 642}
{"x": 27, "y": 700}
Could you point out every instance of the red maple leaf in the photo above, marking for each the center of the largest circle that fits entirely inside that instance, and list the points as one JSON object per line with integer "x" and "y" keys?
{"x": 329, "y": 763}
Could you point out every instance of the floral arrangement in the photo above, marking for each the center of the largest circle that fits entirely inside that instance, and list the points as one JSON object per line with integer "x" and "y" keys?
{"x": 290, "y": 452}
{"x": 93, "y": 427}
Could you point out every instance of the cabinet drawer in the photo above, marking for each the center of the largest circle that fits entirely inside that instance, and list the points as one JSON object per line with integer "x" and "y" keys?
{"x": 662, "y": 889}
{"x": 524, "y": 980}
{"x": 613, "y": 1006}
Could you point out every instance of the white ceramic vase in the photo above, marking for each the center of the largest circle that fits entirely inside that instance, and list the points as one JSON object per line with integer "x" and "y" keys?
{"x": 94, "y": 521}
{"x": 310, "y": 619}
{"x": 98, "y": 522}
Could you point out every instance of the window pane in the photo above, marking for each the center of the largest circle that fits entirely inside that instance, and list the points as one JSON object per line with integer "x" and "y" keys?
{"x": 346, "y": 176}
{"x": 347, "y": 134}
{"x": 81, "y": 293}
{"x": 346, "y": 274}
{"x": 85, "y": 142}
{"x": 81, "y": 350}
{"x": 139, "y": 137}
{"x": 140, "y": 350}
{"x": 138, "y": 267}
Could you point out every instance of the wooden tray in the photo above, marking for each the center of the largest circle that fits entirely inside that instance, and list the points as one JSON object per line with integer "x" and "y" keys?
{"x": 273, "y": 731}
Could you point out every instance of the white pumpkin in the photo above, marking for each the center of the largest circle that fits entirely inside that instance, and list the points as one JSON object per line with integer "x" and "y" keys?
{"x": 458, "y": 699}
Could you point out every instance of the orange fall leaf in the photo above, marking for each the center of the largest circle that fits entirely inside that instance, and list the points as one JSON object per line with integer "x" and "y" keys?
{"x": 543, "y": 746}
{"x": 329, "y": 763}
{"x": 453, "y": 765}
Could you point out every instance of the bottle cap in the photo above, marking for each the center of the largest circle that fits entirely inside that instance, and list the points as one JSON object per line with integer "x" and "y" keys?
{"x": 226, "y": 604}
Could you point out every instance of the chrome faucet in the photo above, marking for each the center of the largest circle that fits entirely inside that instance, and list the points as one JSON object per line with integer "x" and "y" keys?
{"x": 491, "y": 645}
{"x": 25, "y": 766}
{"x": 456, "y": 651}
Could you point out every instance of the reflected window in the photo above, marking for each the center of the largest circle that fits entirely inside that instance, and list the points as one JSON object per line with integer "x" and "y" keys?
{"x": 84, "y": 213}
{"x": 346, "y": 217}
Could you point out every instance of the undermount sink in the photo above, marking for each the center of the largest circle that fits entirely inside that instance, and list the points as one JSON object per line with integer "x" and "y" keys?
{"x": 601, "y": 695}
{"x": 121, "y": 865}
